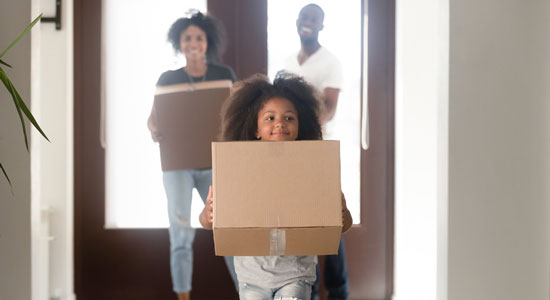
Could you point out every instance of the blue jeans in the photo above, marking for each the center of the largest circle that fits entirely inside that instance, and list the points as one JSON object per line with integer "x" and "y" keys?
{"x": 336, "y": 276}
{"x": 178, "y": 186}
{"x": 297, "y": 290}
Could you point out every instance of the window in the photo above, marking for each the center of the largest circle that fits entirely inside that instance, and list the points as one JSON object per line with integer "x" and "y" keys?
{"x": 135, "y": 54}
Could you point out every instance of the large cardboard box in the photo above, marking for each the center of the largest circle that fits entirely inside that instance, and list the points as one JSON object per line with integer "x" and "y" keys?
{"x": 188, "y": 117}
{"x": 276, "y": 198}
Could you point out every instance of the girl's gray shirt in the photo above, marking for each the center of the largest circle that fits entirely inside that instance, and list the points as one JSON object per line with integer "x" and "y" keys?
{"x": 275, "y": 271}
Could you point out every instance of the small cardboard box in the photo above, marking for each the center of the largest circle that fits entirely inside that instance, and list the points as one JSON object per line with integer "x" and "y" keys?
{"x": 276, "y": 198}
{"x": 188, "y": 117}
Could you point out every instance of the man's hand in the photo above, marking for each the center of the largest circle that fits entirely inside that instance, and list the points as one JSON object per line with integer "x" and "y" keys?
{"x": 330, "y": 97}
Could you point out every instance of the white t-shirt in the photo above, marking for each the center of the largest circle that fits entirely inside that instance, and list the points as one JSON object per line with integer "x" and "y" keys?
{"x": 321, "y": 70}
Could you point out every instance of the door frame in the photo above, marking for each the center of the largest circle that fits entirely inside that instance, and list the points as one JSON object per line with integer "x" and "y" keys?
{"x": 370, "y": 243}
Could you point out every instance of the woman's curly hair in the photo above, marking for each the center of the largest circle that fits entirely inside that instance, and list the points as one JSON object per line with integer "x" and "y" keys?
{"x": 215, "y": 35}
{"x": 240, "y": 111}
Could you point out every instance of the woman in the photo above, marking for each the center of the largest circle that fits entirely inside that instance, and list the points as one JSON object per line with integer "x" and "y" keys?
{"x": 199, "y": 38}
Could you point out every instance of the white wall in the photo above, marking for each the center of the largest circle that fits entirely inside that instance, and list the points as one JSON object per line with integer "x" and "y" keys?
{"x": 15, "y": 238}
{"x": 421, "y": 148}
{"x": 52, "y": 162}
{"x": 482, "y": 206}
{"x": 499, "y": 135}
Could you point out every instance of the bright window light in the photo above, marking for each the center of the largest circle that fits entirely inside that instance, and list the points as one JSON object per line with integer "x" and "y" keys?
{"x": 135, "y": 54}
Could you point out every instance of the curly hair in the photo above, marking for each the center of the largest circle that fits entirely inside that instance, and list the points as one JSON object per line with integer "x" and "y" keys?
{"x": 215, "y": 34}
{"x": 240, "y": 111}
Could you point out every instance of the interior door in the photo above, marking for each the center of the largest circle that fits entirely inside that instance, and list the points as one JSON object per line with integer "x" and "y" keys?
{"x": 357, "y": 33}
{"x": 134, "y": 263}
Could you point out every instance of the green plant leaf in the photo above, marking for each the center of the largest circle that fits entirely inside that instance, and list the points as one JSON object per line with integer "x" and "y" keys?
{"x": 7, "y": 177}
{"x": 21, "y": 106}
{"x": 29, "y": 27}
{"x": 29, "y": 115}
{"x": 5, "y": 63}
{"x": 14, "y": 96}
{"x": 17, "y": 100}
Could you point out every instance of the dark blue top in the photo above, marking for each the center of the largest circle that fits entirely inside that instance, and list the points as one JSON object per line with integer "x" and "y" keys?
{"x": 213, "y": 72}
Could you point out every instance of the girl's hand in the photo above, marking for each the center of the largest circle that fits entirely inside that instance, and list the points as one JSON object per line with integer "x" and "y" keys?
{"x": 206, "y": 217}
{"x": 210, "y": 206}
{"x": 346, "y": 216}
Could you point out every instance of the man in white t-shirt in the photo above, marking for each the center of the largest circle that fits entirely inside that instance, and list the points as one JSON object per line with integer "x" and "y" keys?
{"x": 315, "y": 63}
{"x": 323, "y": 71}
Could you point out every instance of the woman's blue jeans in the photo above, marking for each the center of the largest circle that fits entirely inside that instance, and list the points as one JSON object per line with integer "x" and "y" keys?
{"x": 178, "y": 186}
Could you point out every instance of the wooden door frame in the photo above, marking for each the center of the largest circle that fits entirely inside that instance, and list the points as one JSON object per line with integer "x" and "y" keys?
{"x": 375, "y": 281}
{"x": 372, "y": 240}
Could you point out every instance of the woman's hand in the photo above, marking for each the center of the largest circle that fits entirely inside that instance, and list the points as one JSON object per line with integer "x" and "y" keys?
{"x": 346, "y": 216}
{"x": 152, "y": 125}
{"x": 156, "y": 136}
{"x": 206, "y": 217}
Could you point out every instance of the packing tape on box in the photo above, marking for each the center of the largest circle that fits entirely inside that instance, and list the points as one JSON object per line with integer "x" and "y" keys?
{"x": 277, "y": 242}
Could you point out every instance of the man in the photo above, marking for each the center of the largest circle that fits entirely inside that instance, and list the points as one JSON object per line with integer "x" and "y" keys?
{"x": 314, "y": 62}
{"x": 323, "y": 71}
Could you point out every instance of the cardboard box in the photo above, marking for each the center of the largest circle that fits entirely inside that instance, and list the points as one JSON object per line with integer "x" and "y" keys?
{"x": 188, "y": 117}
{"x": 277, "y": 198}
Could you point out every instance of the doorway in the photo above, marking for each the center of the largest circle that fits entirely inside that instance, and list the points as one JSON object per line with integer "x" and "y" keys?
{"x": 134, "y": 263}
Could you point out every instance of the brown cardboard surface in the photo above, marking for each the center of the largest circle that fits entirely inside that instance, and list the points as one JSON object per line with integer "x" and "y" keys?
{"x": 262, "y": 186}
{"x": 188, "y": 118}
{"x": 256, "y": 241}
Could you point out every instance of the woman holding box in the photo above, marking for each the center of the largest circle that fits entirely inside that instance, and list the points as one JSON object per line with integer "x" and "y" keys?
{"x": 199, "y": 38}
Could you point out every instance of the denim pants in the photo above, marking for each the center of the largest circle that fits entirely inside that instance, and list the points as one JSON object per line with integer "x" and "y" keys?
{"x": 296, "y": 290}
{"x": 336, "y": 276}
{"x": 178, "y": 186}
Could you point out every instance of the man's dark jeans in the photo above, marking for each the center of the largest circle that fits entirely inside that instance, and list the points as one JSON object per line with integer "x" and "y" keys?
{"x": 336, "y": 276}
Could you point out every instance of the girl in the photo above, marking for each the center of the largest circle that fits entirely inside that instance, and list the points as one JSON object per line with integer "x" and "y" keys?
{"x": 283, "y": 111}
{"x": 199, "y": 38}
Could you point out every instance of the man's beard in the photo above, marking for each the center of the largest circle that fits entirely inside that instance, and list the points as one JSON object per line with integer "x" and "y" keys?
{"x": 309, "y": 40}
